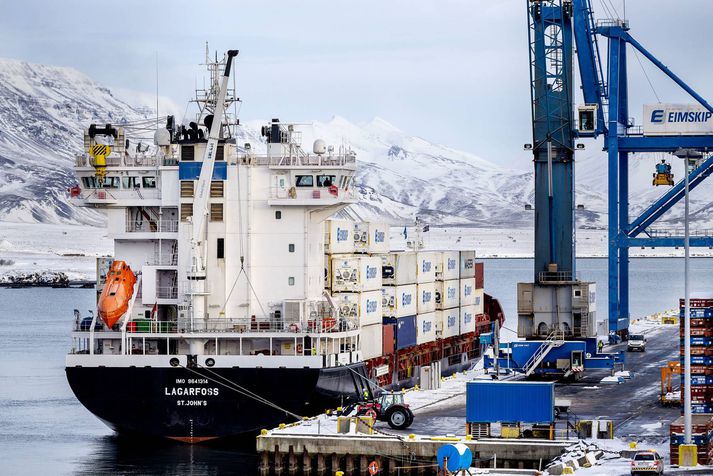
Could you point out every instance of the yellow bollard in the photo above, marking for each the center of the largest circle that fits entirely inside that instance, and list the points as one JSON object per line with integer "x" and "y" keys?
{"x": 687, "y": 455}
{"x": 411, "y": 436}
{"x": 281, "y": 426}
{"x": 263, "y": 432}
{"x": 632, "y": 445}
{"x": 339, "y": 473}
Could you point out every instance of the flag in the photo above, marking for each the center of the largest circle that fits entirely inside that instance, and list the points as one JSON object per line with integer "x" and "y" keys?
{"x": 153, "y": 310}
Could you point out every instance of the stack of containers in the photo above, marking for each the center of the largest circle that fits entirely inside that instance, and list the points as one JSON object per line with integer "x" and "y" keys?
{"x": 468, "y": 293}
{"x": 701, "y": 435}
{"x": 426, "y": 262}
{"x": 399, "y": 298}
{"x": 448, "y": 294}
{"x": 701, "y": 353}
{"x": 701, "y": 380}
{"x": 354, "y": 282}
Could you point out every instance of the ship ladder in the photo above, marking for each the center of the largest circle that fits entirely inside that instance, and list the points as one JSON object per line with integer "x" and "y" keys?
{"x": 554, "y": 339}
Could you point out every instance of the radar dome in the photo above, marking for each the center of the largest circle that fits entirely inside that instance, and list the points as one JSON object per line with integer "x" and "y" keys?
{"x": 162, "y": 137}
{"x": 319, "y": 147}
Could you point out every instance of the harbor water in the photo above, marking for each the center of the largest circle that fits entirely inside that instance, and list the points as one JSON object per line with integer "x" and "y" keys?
{"x": 46, "y": 431}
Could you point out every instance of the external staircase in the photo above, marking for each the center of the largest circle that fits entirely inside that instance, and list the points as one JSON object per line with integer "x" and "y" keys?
{"x": 554, "y": 339}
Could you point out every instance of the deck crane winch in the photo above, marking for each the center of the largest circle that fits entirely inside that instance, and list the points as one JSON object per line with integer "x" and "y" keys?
{"x": 555, "y": 27}
{"x": 197, "y": 274}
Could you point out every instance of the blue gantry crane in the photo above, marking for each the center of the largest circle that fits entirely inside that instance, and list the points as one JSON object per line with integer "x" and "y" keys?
{"x": 557, "y": 309}
{"x": 556, "y": 26}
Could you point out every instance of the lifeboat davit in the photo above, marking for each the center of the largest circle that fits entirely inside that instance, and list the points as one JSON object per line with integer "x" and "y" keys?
{"x": 117, "y": 292}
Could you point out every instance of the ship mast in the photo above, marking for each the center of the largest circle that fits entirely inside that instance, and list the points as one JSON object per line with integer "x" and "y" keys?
{"x": 197, "y": 274}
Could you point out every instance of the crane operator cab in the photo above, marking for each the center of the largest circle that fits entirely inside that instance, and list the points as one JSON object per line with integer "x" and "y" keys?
{"x": 663, "y": 175}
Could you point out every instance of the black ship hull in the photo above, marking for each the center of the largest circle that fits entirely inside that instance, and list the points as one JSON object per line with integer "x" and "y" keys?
{"x": 196, "y": 405}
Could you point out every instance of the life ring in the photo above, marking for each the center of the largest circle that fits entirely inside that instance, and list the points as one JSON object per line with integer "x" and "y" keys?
{"x": 334, "y": 190}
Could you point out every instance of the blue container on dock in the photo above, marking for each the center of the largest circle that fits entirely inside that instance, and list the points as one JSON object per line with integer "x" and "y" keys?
{"x": 405, "y": 332}
{"x": 698, "y": 312}
{"x": 701, "y": 379}
{"x": 699, "y": 341}
{"x": 510, "y": 402}
{"x": 698, "y": 408}
{"x": 700, "y": 360}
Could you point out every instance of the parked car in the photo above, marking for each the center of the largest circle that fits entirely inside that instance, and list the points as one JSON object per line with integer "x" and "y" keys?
{"x": 647, "y": 462}
{"x": 636, "y": 342}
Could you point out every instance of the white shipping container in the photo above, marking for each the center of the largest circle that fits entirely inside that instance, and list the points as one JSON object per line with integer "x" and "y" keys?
{"x": 449, "y": 322}
{"x": 467, "y": 319}
{"x": 399, "y": 301}
{"x": 479, "y": 304}
{"x": 399, "y": 268}
{"x": 467, "y": 291}
{"x": 371, "y": 340}
{"x": 363, "y": 308}
{"x": 447, "y": 294}
{"x": 338, "y": 236}
{"x": 467, "y": 264}
{"x": 426, "y": 266}
{"x": 426, "y": 298}
{"x": 425, "y": 328}
{"x": 371, "y": 237}
{"x": 448, "y": 266}
{"x": 356, "y": 273}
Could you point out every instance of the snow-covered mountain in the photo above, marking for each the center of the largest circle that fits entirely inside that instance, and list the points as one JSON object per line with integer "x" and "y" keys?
{"x": 43, "y": 110}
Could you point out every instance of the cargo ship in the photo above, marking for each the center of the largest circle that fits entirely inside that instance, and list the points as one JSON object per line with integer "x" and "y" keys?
{"x": 234, "y": 301}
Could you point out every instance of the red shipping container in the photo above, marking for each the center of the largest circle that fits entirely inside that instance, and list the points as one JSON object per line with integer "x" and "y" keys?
{"x": 479, "y": 276}
{"x": 388, "y": 339}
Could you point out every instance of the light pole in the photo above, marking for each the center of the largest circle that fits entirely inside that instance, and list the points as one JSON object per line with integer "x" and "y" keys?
{"x": 686, "y": 155}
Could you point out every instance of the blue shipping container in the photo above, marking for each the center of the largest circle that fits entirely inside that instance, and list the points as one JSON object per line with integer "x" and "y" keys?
{"x": 405, "y": 332}
{"x": 510, "y": 402}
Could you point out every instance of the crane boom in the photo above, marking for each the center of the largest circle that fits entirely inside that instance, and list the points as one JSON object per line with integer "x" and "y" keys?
{"x": 200, "y": 203}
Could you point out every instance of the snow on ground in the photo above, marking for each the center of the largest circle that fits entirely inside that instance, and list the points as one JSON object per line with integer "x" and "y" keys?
{"x": 51, "y": 248}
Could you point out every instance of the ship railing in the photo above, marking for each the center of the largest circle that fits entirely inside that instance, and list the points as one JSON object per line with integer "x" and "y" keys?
{"x": 319, "y": 326}
{"x": 125, "y": 160}
{"x": 167, "y": 292}
{"x": 145, "y": 226}
{"x": 339, "y": 160}
{"x": 545, "y": 277}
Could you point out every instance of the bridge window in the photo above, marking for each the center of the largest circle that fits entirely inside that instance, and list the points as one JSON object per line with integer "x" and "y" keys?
{"x": 326, "y": 180}
{"x": 291, "y": 247}
{"x": 130, "y": 182}
{"x": 278, "y": 215}
{"x": 111, "y": 182}
{"x": 90, "y": 182}
{"x": 304, "y": 181}
{"x": 291, "y": 281}
{"x": 149, "y": 182}
{"x": 187, "y": 152}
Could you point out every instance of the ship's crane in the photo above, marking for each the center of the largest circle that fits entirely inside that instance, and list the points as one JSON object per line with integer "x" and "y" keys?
{"x": 197, "y": 274}
{"x": 555, "y": 27}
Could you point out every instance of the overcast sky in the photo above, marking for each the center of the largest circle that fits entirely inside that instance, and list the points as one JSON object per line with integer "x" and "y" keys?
{"x": 451, "y": 71}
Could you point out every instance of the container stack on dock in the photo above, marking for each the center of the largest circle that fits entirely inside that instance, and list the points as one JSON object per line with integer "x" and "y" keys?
{"x": 701, "y": 380}
{"x": 701, "y": 434}
{"x": 415, "y": 309}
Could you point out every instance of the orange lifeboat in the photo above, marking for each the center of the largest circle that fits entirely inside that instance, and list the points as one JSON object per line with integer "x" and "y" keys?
{"x": 117, "y": 292}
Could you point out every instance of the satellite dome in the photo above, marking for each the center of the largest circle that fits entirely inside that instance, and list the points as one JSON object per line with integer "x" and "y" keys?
{"x": 319, "y": 147}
